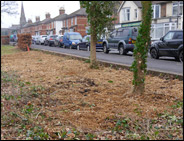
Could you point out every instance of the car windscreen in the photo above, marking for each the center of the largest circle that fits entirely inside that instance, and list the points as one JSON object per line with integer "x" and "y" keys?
{"x": 53, "y": 37}
{"x": 75, "y": 37}
{"x": 44, "y": 36}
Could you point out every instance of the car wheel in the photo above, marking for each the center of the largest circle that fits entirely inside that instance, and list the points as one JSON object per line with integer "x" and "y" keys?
{"x": 105, "y": 48}
{"x": 181, "y": 56}
{"x": 154, "y": 54}
{"x": 122, "y": 50}
{"x": 50, "y": 44}
{"x": 78, "y": 48}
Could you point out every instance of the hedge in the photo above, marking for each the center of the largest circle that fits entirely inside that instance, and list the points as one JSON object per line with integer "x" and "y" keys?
{"x": 5, "y": 40}
{"x": 24, "y": 41}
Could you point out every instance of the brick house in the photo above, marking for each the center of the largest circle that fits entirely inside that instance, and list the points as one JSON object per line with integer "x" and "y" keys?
{"x": 76, "y": 22}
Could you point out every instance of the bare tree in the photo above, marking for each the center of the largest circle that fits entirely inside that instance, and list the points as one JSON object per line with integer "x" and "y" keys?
{"x": 9, "y": 7}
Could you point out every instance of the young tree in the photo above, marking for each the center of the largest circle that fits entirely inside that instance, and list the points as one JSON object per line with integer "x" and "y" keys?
{"x": 99, "y": 17}
{"x": 141, "y": 49}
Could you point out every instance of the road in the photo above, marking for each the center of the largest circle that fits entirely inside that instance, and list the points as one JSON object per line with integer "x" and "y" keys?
{"x": 164, "y": 64}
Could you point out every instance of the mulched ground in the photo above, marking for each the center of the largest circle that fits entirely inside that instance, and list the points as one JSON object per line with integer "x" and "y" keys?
{"x": 84, "y": 98}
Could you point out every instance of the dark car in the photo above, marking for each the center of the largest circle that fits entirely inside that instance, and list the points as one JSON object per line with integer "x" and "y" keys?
{"x": 49, "y": 40}
{"x": 59, "y": 41}
{"x": 169, "y": 45}
{"x": 85, "y": 44}
{"x": 122, "y": 39}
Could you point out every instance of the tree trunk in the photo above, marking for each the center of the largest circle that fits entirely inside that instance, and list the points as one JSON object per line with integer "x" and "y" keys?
{"x": 141, "y": 61}
{"x": 93, "y": 63}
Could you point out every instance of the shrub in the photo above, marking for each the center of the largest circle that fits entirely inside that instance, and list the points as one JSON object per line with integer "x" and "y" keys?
{"x": 24, "y": 40}
{"x": 5, "y": 40}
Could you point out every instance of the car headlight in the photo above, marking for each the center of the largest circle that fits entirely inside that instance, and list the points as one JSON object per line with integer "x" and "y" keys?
{"x": 73, "y": 43}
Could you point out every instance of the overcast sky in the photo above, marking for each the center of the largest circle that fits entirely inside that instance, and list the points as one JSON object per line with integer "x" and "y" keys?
{"x": 38, "y": 8}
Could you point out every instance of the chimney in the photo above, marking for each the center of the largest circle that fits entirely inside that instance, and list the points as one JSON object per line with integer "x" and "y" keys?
{"x": 47, "y": 15}
{"x": 29, "y": 21}
{"x": 61, "y": 11}
{"x": 37, "y": 18}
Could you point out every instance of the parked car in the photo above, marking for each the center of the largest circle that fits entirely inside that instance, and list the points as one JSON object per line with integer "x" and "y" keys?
{"x": 33, "y": 39}
{"x": 59, "y": 41}
{"x": 170, "y": 44}
{"x": 85, "y": 44}
{"x": 49, "y": 40}
{"x": 36, "y": 39}
{"x": 71, "y": 39}
{"x": 122, "y": 39}
{"x": 41, "y": 39}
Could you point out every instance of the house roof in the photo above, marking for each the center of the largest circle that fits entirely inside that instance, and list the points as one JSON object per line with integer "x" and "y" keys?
{"x": 28, "y": 25}
{"x": 138, "y": 3}
{"x": 60, "y": 17}
{"x": 36, "y": 23}
{"x": 80, "y": 12}
{"x": 15, "y": 27}
{"x": 46, "y": 21}
{"x": 57, "y": 18}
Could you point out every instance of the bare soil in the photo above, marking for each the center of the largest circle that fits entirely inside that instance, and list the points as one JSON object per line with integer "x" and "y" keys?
{"x": 84, "y": 98}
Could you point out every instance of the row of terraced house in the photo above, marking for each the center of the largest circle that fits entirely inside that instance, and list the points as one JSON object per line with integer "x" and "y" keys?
{"x": 76, "y": 22}
{"x": 167, "y": 15}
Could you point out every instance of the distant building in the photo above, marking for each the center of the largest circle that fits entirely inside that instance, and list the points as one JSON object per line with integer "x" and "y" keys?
{"x": 76, "y": 21}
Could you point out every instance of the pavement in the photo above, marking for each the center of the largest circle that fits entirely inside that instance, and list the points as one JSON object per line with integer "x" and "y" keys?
{"x": 163, "y": 65}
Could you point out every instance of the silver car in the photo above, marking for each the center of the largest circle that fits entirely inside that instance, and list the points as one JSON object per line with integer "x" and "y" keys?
{"x": 40, "y": 39}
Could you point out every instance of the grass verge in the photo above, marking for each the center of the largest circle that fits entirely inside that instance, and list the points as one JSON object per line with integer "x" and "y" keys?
{"x": 7, "y": 49}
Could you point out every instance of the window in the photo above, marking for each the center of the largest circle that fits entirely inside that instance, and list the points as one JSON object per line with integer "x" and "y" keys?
{"x": 135, "y": 11}
{"x": 72, "y": 22}
{"x": 125, "y": 32}
{"x": 178, "y": 35}
{"x": 63, "y": 23}
{"x": 159, "y": 30}
{"x": 66, "y": 23}
{"x": 113, "y": 34}
{"x": 156, "y": 11}
{"x": 169, "y": 36}
{"x": 75, "y": 37}
{"x": 177, "y": 8}
{"x": 75, "y": 20}
{"x": 126, "y": 14}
